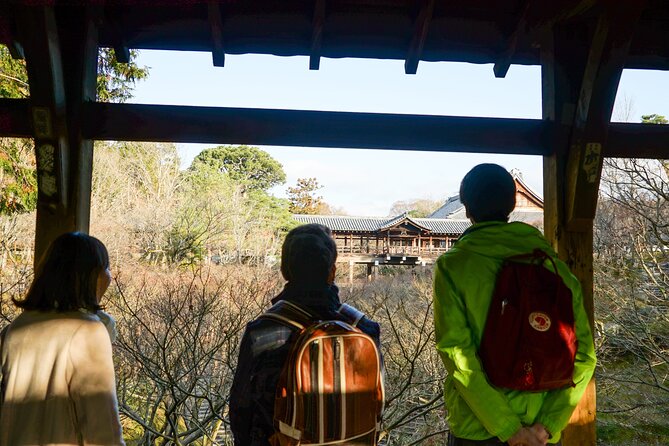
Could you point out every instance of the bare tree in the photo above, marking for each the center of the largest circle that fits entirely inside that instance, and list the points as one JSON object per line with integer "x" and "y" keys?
{"x": 402, "y": 304}
{"x": 177, "y": 350}
{"x": 632, "y": 301}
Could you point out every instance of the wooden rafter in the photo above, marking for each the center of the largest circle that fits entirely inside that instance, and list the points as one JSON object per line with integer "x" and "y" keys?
{"x": 318, "y": 21}
{"x": 122, "y": 53}
{"x": 503, "y": 64}
{"x": 603, "y": 70}
{"x": 137, "y": 122}
{"x": 216, "y": 27}
{"x": 421, "y": 28}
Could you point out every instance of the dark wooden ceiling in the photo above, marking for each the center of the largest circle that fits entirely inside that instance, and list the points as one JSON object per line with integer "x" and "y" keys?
{"x": 458, "y": 31}
{"x": 499, "y": 32}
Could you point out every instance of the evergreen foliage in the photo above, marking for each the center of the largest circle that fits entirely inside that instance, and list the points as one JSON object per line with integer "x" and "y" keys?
{"x": 246, "y": 165}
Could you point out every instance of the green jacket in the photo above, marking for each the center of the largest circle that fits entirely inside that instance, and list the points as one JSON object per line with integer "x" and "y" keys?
{"x": 464, "y": 281}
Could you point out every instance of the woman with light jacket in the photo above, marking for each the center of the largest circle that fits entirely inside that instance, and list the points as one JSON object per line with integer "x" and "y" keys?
{"x": 58, "y": 384}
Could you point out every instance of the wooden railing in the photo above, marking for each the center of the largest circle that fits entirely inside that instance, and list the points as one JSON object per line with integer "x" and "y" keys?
{"x": 393, "y": 250}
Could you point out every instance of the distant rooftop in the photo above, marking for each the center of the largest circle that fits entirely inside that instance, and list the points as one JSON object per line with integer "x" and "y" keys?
{"x": 343, "y": 223}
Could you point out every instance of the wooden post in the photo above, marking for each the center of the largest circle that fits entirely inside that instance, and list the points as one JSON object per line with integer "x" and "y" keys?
{"x": 562, "y": 71}
{"x": 61, "y": 61}
{"x": 579, "y": 85}
{"x": 350, "y": 272}
{"x": 369, "y": 272}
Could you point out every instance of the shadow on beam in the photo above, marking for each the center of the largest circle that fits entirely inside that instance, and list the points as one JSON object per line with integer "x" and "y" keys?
{"x": 637, "y": 141}
{"x": 215, "y": 125}
{"x": 15, "y": 118}
{"x": 134, "y": 122}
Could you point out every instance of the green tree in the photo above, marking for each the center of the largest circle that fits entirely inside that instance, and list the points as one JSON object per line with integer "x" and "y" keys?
{"x": 115, "y": 80}
{"x": 13, "y": 76}
{"x": 249, "y": 166}
{"x": 18, "y": 179}
{"x": 654, "y": 119}
{"x": 303, "y": 198}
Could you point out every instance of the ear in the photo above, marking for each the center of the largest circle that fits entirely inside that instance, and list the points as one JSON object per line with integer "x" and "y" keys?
{"x": 469, "y": 215}
{"x": 331, "y": 274}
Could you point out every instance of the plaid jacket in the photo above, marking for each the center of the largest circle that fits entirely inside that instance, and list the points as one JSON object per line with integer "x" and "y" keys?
{"x": 263, "y": 351}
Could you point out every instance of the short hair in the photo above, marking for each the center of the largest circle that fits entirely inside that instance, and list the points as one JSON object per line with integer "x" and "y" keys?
{"x": 308, "y": 254}
{"x": 67, "y": 275}
{"x": 488, "y": 192}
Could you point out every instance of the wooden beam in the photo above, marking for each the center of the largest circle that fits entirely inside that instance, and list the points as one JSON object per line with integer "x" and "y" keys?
{"x": 637, "y": 141}
{"x": 15, "y": 119}
{"x": 625, "y": 140}
{"x": 421, "y": 28}
{"x": 606, "y": 60}
{"x": 216, "y": 28}
{"x": 138, "y": 122}
{"x": 317, "y": 34}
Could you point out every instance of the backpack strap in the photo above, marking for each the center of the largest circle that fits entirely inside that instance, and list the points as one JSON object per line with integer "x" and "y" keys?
{"x": 290, "y": 314}
{"x": 538, "y": 257}
{"x": 350, "y": 314}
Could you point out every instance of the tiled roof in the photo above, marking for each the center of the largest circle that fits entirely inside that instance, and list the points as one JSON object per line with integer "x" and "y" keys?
{"x": 444, "y": 225}
{"x": 399, "y": 219}
{"x": 345, "y": 223}
{"x": 452, "y": 205}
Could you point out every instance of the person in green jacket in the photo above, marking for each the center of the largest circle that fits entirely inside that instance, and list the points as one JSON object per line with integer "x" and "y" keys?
{"x": 464, "y": 280}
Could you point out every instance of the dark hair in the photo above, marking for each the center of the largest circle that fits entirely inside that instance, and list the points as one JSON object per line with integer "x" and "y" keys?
{"x": 67, "y": 275}
{"x": 308, "y": 253}
{"x": 488, "y": 192}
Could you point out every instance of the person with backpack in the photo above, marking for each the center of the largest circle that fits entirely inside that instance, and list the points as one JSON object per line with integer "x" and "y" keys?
{"x": 309, "y": 368}
{"x": 510, "y": 325}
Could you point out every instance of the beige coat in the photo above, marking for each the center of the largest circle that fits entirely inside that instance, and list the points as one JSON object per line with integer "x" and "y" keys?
{"x": 59, "y": 383}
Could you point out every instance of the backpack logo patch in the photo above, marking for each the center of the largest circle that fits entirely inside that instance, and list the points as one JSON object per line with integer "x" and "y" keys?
{"x": 540, "y": 321}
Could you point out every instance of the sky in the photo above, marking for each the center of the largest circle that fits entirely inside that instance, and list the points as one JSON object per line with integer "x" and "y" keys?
{"x": 368, "y": 182}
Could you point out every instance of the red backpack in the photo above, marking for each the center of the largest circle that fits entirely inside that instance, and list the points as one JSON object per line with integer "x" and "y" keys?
{"x": 331, "y": 389}
{"x": 529, "y": 341}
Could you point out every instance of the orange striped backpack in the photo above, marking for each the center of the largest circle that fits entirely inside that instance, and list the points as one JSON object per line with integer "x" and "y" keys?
{"x": 331, "y": 388}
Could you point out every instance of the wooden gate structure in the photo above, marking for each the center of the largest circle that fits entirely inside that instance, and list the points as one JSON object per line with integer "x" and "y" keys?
{"x": 581, "y": 45}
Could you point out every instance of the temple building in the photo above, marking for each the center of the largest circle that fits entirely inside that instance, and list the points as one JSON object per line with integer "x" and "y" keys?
{"x": 415, "y": 240}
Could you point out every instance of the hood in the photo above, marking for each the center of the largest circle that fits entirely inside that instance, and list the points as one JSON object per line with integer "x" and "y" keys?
{"x": 501, "y": 239}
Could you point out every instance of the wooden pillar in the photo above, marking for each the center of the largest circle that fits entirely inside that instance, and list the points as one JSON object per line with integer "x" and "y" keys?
{"x": 350, "y": 273}
{"x": 579, "y": 84}
{"x": 61, "y": 60}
